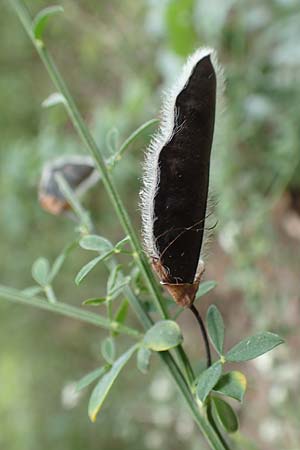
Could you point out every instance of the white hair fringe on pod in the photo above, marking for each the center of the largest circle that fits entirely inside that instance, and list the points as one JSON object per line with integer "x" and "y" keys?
{"x": 189, "y": 98}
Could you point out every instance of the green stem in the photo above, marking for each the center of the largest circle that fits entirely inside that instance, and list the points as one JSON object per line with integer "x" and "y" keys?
{"x": 129, "y": 141}
{"x": 141, "y": 260}
{"x": 50, "y": 294}
{"x": 81, "y": 213}
{"x": 66, "y": 310}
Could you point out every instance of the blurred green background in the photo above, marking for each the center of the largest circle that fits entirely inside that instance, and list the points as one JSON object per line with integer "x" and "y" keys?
{"x": 118, "y": 57}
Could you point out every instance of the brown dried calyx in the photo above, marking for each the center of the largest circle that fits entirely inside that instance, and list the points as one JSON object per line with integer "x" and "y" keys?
{"x": 182, "y": 293}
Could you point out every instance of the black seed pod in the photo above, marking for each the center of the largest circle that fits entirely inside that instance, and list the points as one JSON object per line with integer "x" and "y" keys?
{"x": 177, "y": 179}
{"x": 79, "y": 172}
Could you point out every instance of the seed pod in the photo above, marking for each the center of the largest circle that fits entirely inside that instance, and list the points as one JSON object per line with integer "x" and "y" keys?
{"x": 174, "y": 198}
{"x": 79, "y": 172}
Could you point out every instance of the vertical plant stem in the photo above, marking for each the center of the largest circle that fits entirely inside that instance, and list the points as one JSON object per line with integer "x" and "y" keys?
{"x": 207, "y": 430}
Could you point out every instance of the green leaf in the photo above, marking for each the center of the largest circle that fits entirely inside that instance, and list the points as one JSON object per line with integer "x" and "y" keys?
{"x": 126, "y": 144}
{"x": 162, "y": 336}
{"x": 139, "y": 282}
{"x": 121, "y": 244}
{"x": 57, "y": 265}
{"x": 108, "y": 350}
{"x": 118, "y": 288}
{"x": 122, "y": 311}
{"x": 233, "y": 384}
{"x": 121, "y": 314}
{"x": 207, "y": 380}
{"x": 112, "y": 140}
{"x": 215, "y": 326}
{"x": 94, "y": 301}
{"x": 115, "y": 277}
{"x": 59, "y": 261}
{"x": 143, "y": 359}
{"x": 40, "y": 271}
{"x": 85, "y": 270}
{"x": 116, "y": 283}
{"x": 54, "y": 99}
{"x": 90, "y": 377}
{"x": 225, "y": 414}
{"x": 102, "y": 389}
{"x": 32, "y": 291}
{"x": 205, "y": 287}
{"x": 253, "y": 347}
{"x": 96, "y": 243}
{"x": 41, "y": 19}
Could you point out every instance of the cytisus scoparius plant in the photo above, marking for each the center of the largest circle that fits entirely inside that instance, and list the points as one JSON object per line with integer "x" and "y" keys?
{"x": 174, "y": 210}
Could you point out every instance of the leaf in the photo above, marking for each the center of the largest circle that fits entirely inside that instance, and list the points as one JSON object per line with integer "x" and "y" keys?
{"x": 207, "y": 380}
{"x": 96, "y": 243}
{"x": 119, "y": 288}
{"x": 41, "y": 19}
{"x": 119, "y": 246}
{"x": 205, "y": 287}
{"x": 83, "y": 272}
{"x": 215, "y": 326}
{"x": 94, "y": 301}
{"x": 126, "y": 144}
{"x": 121, "y": 314}
{"x": 113, "y": 279}
{"x": 116, "y": 283}
{"x": 143, "y": 359}
{"x": 225, "y": 414}
{"x": 139, "y": 282}
{"x": 32, "y": 291}
{"x": 112, "y": 140}
{"x": 40, "y": 271}
{"x": 54, "y": 99}
{"x": 57, "y": 266}
{"x": 90, "y": 377}
{"x": 108, "y": 350}
{"x": 102, "y": 389}
{"x": 233, "y": 384}
{"x": 253, "y": 347}
{"x": 162, "y": 336}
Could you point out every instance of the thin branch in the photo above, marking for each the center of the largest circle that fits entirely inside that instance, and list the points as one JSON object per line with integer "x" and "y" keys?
{"x": 64, "y": 309}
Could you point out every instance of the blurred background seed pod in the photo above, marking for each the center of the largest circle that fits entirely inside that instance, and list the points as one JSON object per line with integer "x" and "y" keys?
{"x": 78, "y": 171}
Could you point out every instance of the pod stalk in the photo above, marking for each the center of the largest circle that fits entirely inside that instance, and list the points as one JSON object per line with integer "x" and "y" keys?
{"x": 203, "y": 332}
